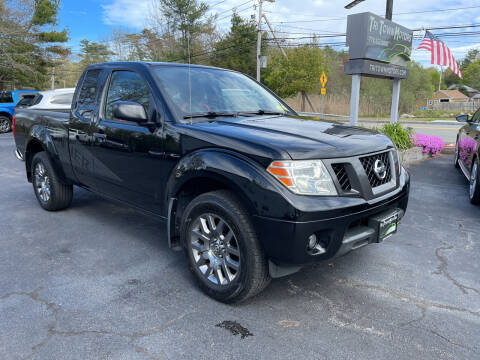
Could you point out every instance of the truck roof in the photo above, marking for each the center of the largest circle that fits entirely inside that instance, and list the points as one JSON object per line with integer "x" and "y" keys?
{"x": 148, "y": 64}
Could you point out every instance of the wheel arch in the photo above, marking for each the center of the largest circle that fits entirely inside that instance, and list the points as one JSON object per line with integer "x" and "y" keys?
{"x": 209, "y": 170}
{"x": 5, "y": 113}
{"x": 40, "y": 140}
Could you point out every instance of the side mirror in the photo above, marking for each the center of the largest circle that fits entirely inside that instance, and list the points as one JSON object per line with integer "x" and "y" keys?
{"x": 462, "y": 118}
{"x": 130, "y": 111}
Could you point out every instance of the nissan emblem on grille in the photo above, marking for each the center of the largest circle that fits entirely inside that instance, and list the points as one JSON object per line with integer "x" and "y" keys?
{"x": 380, "y": 169}
{"x": 377, "y": 168}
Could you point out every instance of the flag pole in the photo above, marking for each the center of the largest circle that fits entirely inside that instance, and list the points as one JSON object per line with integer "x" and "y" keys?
{"x": 440, "y": 81}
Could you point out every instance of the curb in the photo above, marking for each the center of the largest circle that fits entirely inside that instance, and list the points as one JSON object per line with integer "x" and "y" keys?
{"x": 448, "y": 149}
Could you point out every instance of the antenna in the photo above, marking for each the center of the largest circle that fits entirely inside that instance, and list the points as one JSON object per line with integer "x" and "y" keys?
{"x": 189, "y": 77}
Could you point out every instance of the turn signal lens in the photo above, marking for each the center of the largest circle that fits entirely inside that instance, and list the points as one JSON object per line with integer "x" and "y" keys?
{"x": 304, "y": 177}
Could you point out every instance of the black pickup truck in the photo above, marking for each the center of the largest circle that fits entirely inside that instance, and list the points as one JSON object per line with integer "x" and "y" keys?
{"x": 249, "y": 189}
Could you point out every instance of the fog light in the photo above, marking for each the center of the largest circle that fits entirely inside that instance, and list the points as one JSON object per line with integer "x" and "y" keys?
{"x": 312, "y": 241}
{"x": 315, "y": 247}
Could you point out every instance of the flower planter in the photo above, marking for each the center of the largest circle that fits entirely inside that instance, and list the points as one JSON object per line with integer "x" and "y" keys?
{"x": 413, "y": 155}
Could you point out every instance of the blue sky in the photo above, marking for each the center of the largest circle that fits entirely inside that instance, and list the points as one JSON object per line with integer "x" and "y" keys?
{"x": 95, "y": 19}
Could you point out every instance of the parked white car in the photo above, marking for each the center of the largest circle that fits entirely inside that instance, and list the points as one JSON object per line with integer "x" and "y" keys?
{"x": 60, "y": 99}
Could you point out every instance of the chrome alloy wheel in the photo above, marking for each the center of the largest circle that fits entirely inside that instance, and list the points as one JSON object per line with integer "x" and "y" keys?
{"x": 473, "y": 179}
{"x": 215, "y": 249}
{"x": 42, "y": 182}
{"x": 4, "y": 125}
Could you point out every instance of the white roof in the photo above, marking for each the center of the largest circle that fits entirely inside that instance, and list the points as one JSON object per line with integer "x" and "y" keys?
{"x": 59, "y": 99}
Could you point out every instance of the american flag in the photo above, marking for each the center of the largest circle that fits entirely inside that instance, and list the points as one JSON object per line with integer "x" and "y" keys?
{"x": 440, "y": 53}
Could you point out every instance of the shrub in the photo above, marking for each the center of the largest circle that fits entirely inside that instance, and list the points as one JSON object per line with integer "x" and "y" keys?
{"x": 432, "y": 144}
{"x": 398, "y": 134}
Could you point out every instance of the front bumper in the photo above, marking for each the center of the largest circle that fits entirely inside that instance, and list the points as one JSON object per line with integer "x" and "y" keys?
{"x": 285, "y": 242}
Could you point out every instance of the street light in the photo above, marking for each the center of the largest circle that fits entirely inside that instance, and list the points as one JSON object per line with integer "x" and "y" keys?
{"x": 353, "y": 3}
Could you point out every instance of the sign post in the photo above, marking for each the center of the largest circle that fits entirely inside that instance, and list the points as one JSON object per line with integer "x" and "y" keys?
{"x": 323, "y": 91}
{"x": 377, "y": 48}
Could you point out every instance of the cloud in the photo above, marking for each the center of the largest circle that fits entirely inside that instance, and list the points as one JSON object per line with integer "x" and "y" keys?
{"x": 127, "y": 13}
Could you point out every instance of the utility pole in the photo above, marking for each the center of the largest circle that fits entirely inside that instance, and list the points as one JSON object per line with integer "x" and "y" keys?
{"x": 440, "y": 81}
{"x": 53, "y": 78}
{"x": 259, "y": 38}
{"x": 389, "y": 11}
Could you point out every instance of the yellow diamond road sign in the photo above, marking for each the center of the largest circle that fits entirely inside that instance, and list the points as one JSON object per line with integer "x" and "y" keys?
{"x": 323, "y": 79}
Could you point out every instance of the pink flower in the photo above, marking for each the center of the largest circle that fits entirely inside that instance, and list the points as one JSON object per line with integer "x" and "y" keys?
{"x": 430, "y": 144}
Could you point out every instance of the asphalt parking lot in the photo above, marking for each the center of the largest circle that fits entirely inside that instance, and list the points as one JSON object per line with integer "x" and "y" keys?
{"x": 98, "y": 281}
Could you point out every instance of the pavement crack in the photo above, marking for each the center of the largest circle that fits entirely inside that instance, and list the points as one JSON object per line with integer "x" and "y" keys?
{"x": 406, "y": 297}
{"x": 442, "y": 269}
{"x": 445, "y": 338}
{"x": 50, "y": 306}
{"x": 423, "y": 313}
{"x": 53, "y": 328}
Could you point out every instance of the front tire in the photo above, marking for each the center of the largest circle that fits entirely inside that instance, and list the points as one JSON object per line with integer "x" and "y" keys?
{"x": 222, "y": 247}
{"x": 475, "y": 183}
{"x": 5, "y": 124}
{"x": 52, "y": 195}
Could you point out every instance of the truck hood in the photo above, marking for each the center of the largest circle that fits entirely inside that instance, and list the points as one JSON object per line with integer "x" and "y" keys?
{"x": 284, "y": 137}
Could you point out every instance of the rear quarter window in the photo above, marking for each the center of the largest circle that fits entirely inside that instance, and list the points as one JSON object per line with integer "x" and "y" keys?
{"x": 6, "y": 98}
{"x": 88, "y": 91}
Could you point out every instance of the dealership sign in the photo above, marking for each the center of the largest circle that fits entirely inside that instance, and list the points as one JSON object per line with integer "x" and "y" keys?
{"x": 377, "y": 47}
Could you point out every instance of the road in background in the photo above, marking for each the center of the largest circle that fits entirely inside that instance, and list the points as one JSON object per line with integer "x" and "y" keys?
{"x": 446, "y": 131}
{"x": 98, "y": 281}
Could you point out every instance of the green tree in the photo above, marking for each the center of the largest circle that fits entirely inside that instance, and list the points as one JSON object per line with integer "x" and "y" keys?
{"x": 184, "y": 21}
{"x": 416, "y": 89}
{"x": 450, "y": 78}
{"x": 471, "y": 57}
{"x": 237, "y": 49}
{"x": 471, "y": 75}
{"x": 29, "y": 44}
{"x": 435, "y": 78}
{"x": 300, "y": 72}
{"x": 93, "y": 52}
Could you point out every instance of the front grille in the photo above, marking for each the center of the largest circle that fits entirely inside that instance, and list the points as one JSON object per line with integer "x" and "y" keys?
{"x": 368, "y": 164}
{"x": 342, "y": 176}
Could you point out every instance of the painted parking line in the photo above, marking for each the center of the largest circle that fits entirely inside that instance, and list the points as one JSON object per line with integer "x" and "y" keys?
{"x": 432, "y": 127}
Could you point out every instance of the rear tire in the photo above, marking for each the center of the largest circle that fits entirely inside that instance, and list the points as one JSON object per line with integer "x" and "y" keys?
{"x": 475, "y": 183}
{"x": 5, "y": 124}
{"x": 222, "y": 247}
{"x": 51, "y": 194}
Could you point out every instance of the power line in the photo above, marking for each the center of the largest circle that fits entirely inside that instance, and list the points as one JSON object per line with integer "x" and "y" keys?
{"x": 238, "y": 12}
{"x": 415, "y": 30}
{"x": 402, "y": 13}
{"x": 233, "y": 8}
{"x": 216, "y": 4}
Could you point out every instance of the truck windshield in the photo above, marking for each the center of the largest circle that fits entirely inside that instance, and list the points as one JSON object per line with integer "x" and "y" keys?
{"x": 213, "y": 91}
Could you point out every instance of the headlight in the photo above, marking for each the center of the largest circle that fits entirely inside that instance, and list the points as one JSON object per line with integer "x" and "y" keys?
{"x": 304, "y": 177}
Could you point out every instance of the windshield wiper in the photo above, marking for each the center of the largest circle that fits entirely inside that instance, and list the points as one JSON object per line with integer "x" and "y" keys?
{"x": 210, "y": 115}
{"x": 262, "y": 112}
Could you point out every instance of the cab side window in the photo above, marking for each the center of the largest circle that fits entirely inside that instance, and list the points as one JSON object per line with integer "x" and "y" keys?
{"x": 87, "y": 96}
{"x": 126, "y": 86}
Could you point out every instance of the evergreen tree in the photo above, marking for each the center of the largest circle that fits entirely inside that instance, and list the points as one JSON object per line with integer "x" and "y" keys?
{"x": 237, "y": 49}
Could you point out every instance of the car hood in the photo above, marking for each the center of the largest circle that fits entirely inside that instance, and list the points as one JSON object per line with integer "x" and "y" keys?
{"x": 296, "y": 138}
